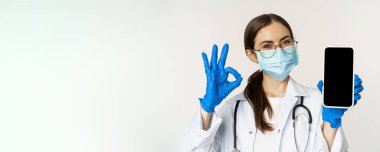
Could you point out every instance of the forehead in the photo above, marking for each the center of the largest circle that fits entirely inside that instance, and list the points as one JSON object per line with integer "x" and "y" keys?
{"x": 273, "y": 32}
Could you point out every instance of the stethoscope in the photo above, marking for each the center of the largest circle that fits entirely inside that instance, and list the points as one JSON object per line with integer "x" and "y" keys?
{"x": 294, "y": 117}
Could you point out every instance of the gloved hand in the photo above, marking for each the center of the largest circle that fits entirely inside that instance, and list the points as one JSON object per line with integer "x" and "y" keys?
{"x": 334, "y": 115}
{"x": 217, "y": 85}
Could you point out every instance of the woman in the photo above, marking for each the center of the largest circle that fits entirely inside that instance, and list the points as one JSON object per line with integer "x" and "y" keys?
{"x": 264, "y": 116}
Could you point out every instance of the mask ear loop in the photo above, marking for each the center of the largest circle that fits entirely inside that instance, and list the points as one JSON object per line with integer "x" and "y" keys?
{"x": 258, "y": 55}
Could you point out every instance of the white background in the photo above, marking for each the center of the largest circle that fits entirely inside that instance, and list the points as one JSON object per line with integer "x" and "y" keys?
{"x": 116, "y": 75}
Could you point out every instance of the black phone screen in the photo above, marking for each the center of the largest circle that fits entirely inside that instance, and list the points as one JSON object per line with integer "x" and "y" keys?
{"x": 338, "y": 77}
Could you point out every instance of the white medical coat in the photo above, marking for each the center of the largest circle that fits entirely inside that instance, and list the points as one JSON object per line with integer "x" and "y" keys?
{"x": 219, "y": 137}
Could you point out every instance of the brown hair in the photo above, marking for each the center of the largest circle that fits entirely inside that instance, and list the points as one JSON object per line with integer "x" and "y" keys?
{"x": 254, "y": 91}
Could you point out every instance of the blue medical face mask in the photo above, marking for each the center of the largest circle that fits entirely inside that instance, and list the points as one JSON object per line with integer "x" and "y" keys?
{"x": 280, "y": 64}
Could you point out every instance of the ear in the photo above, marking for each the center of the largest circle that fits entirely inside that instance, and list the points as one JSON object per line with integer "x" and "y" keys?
{"x": 251, "y": 55}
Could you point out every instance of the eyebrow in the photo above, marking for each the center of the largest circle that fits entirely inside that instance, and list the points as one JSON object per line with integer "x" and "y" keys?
{"x": 272, "y": 41}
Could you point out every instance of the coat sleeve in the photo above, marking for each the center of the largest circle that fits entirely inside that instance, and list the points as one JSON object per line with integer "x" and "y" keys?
{"x": 195, "y": 139}
{"x": 340, "y": 143}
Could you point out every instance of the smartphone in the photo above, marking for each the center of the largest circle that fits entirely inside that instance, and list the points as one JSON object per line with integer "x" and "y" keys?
{"x": 338, "y": 87}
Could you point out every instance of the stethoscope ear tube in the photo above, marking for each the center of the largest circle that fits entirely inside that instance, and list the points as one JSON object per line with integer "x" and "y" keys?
{"x": 235, "y": 113}
{"x": 294, "y": 125}
{"x": 304, "y": 107}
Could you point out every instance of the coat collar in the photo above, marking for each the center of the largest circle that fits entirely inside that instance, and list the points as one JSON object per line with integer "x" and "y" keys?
{"x": 293, "y": 91}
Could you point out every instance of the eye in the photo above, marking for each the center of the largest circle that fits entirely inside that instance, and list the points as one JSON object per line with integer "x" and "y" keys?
{"x": 286, "y": 42}
{"x": 267, "y": 46}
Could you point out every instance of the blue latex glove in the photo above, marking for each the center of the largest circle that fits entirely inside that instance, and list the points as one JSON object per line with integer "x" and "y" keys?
{"x": 334, "y": 115}
{"x": 218, "y": 87}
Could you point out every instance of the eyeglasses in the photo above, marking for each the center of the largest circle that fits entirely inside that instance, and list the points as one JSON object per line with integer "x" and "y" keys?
{"x": 268, "y": 50}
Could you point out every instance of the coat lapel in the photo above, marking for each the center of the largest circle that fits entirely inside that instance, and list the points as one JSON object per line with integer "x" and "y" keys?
{"x": 293, "y": 91}
{"x": 246, "y": 132}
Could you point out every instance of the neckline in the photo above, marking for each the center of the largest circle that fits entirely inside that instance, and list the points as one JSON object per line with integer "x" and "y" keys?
{"x": 275, "y": 98}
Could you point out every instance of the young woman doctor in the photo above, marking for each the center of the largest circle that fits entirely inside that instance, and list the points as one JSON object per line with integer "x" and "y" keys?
{"x": 262, "y": 118}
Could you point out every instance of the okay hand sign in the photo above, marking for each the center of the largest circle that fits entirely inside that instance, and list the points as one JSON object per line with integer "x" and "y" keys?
{"x": 218, "y": 87}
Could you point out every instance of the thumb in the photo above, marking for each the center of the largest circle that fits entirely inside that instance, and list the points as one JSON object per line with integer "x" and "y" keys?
{"x": 320, "y": 85}
{"x": 237, "y": 76}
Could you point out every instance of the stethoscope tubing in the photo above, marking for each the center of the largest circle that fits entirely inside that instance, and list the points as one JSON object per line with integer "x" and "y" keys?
{"x": 300, "y": 105}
